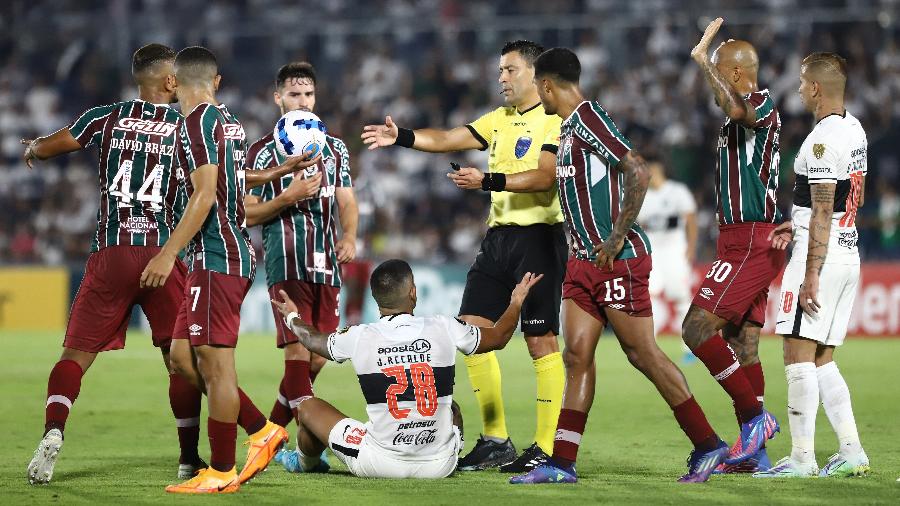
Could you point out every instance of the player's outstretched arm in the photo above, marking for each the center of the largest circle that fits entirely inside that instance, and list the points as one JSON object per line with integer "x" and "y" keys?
{"x": 540, "y": 179}
{"x": 729, "y": 100}
{"x": 348, "y": 211}
{"x": 262, "y": 211}
{"x": 637, "y": 179}
{"x": 822, "y": 196}
{"x": 254, "y": 178}
{"x": 496, "y": 337}
{"x": 58, "y": 143}
{"x": 204, "y": 179}
{"x": 312, "y": 339}
{"x": 424, "y": 139}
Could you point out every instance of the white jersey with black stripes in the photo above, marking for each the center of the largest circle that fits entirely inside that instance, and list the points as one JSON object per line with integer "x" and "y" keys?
{"x": 405, "y": 365}
{"x": 833, "y": 153}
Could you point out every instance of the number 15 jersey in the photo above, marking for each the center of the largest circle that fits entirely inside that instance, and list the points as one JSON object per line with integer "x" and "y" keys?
{"x": 137, "y": 171}
{"x": 405, "y": 365}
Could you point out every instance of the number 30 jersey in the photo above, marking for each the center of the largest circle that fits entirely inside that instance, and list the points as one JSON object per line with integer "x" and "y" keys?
{"x": 405, "y": 365}
{"x": 137, "y": 171}
{"x": 833, "y": 153}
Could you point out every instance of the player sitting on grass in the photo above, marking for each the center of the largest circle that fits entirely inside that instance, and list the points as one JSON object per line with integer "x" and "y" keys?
{"x": 405, "y": 365}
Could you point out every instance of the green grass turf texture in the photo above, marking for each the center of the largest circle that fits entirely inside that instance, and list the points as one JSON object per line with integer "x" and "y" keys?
{"x": 121, "y": 444}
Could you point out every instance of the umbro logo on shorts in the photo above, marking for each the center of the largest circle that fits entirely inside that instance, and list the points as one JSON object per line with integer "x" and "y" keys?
{"x": 706, "y": 293}
{"x": 617, "y": 307}
{"x": 195, "y": 329}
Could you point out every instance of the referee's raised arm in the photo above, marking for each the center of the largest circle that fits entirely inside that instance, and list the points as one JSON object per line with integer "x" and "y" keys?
{"x": 431, "y": 140}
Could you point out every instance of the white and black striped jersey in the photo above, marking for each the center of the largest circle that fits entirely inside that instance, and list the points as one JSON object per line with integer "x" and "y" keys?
{"x": 833, "y": 153}
{"x": 406, "y": 367}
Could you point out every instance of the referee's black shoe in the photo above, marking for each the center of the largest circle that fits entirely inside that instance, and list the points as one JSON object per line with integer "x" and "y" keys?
{"x": 486, "y": 454}
{"x": 532, "y": 457}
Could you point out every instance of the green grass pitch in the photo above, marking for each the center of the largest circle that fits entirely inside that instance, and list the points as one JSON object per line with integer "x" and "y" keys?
{"x": 121, "y": 445}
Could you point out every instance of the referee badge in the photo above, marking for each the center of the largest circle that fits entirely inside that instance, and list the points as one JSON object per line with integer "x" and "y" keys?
{"x": 818, "y": 151}
{"x": 522, "y": 146}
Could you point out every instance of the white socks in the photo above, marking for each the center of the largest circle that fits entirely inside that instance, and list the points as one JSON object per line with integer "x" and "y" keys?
{"x": 307, "y": 463}
{"x": 836, "y": 401}
{"x": 803, "y": 403}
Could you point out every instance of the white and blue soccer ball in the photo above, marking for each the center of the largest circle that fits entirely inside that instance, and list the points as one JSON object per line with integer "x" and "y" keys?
{"x": 298, "y": 132}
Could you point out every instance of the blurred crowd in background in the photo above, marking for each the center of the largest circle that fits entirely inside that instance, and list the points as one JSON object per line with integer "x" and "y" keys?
{"x": 432, "y": 63}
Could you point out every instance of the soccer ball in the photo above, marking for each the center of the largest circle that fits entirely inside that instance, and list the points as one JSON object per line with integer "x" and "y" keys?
{"x": 298, "y": 132}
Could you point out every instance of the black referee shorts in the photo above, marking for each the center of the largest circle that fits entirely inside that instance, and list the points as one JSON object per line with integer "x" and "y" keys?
{"x": 506, "y": 254}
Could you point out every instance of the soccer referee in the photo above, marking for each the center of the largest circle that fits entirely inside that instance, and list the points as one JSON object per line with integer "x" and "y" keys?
{"x": 526, "y": 235}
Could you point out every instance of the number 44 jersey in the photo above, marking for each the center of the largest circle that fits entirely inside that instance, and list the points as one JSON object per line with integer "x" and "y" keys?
{"x": 405, "y": 365}
{"x": 137, "y": 171}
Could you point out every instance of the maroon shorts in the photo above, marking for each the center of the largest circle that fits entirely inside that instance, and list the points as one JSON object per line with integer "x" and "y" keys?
{"x": 624, "y": 288}
{"x": 317, "y": 305}
{"x": 110, "y": 289}
{"x": 210, "y": 311}
{"x": 736, "y": 287}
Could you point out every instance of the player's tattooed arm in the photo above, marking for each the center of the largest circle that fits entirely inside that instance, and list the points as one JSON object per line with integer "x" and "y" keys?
{"x": 637, "y": 179}
{"x": 314, "y": 340}
{"x": 822, "y": 196}
{"x": 55, "y": 144}
{"x": 728, "y": 99}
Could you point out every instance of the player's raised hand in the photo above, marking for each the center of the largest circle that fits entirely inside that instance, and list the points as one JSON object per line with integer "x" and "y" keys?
{"x": 28, "y": 157}
{"x": 606, "y": 253}
{"x": 157, "y": 271}
{"x": 379, "y": 136}
{"x": 700, "y": 53}
{"x": 285, "y": 306}
{"x": 521, "y": 290}
{"x": 302, "y": 188}
{"x": 781, "y": 235}
{"x": 345, "y": 249}
{"x": 467, "y": 178}
{"x": 809, "y": 294}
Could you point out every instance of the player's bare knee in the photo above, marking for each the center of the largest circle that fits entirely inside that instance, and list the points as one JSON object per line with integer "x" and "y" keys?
{"x": 541, "y": 346}
{"x": 576, "y": 359}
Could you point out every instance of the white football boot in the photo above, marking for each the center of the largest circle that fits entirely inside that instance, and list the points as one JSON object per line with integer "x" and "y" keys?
{"x": 40, "y": 469}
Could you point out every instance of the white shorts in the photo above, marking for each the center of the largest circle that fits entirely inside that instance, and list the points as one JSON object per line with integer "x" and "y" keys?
{"x": 837, "y": 291}
{"x": 670, "y": 276}
{"x": 351, "y": 444}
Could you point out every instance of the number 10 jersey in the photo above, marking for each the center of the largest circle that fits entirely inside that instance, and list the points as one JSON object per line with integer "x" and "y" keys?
{"x": 137, "y": 171}
{"x": 405, "y": 365}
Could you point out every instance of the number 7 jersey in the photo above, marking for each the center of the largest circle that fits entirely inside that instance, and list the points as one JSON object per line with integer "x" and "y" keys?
{"x": 137, "y": 171}
{"x": 405, "y": 365}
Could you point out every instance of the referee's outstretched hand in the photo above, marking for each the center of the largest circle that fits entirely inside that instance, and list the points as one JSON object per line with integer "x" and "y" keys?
{"x": 379, "y": 136}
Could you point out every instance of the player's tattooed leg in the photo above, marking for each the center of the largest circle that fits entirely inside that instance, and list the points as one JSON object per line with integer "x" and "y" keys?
{"x": 744, "y": 340}
{"x": 699, "y": 324}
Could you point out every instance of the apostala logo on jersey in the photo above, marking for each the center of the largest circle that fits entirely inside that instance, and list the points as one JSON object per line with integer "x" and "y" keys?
{"x": 818, "y": 151}
{"x": 143, "y": 126}
{"x": 234, "y": 131}
{"x": 522, "y": 146}
{"x": 416, "y": 351}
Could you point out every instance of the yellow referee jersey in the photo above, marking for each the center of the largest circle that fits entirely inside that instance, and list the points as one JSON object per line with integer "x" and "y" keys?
{"x": 514, "y": 141}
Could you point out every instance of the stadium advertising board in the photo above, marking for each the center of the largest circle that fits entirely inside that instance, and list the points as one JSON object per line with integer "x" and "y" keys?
{"x": 34, "y": 298}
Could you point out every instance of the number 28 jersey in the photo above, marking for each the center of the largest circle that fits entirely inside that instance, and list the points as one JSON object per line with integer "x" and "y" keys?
{"x": 137, "y": 171}
{"x": 405, "y": 365}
